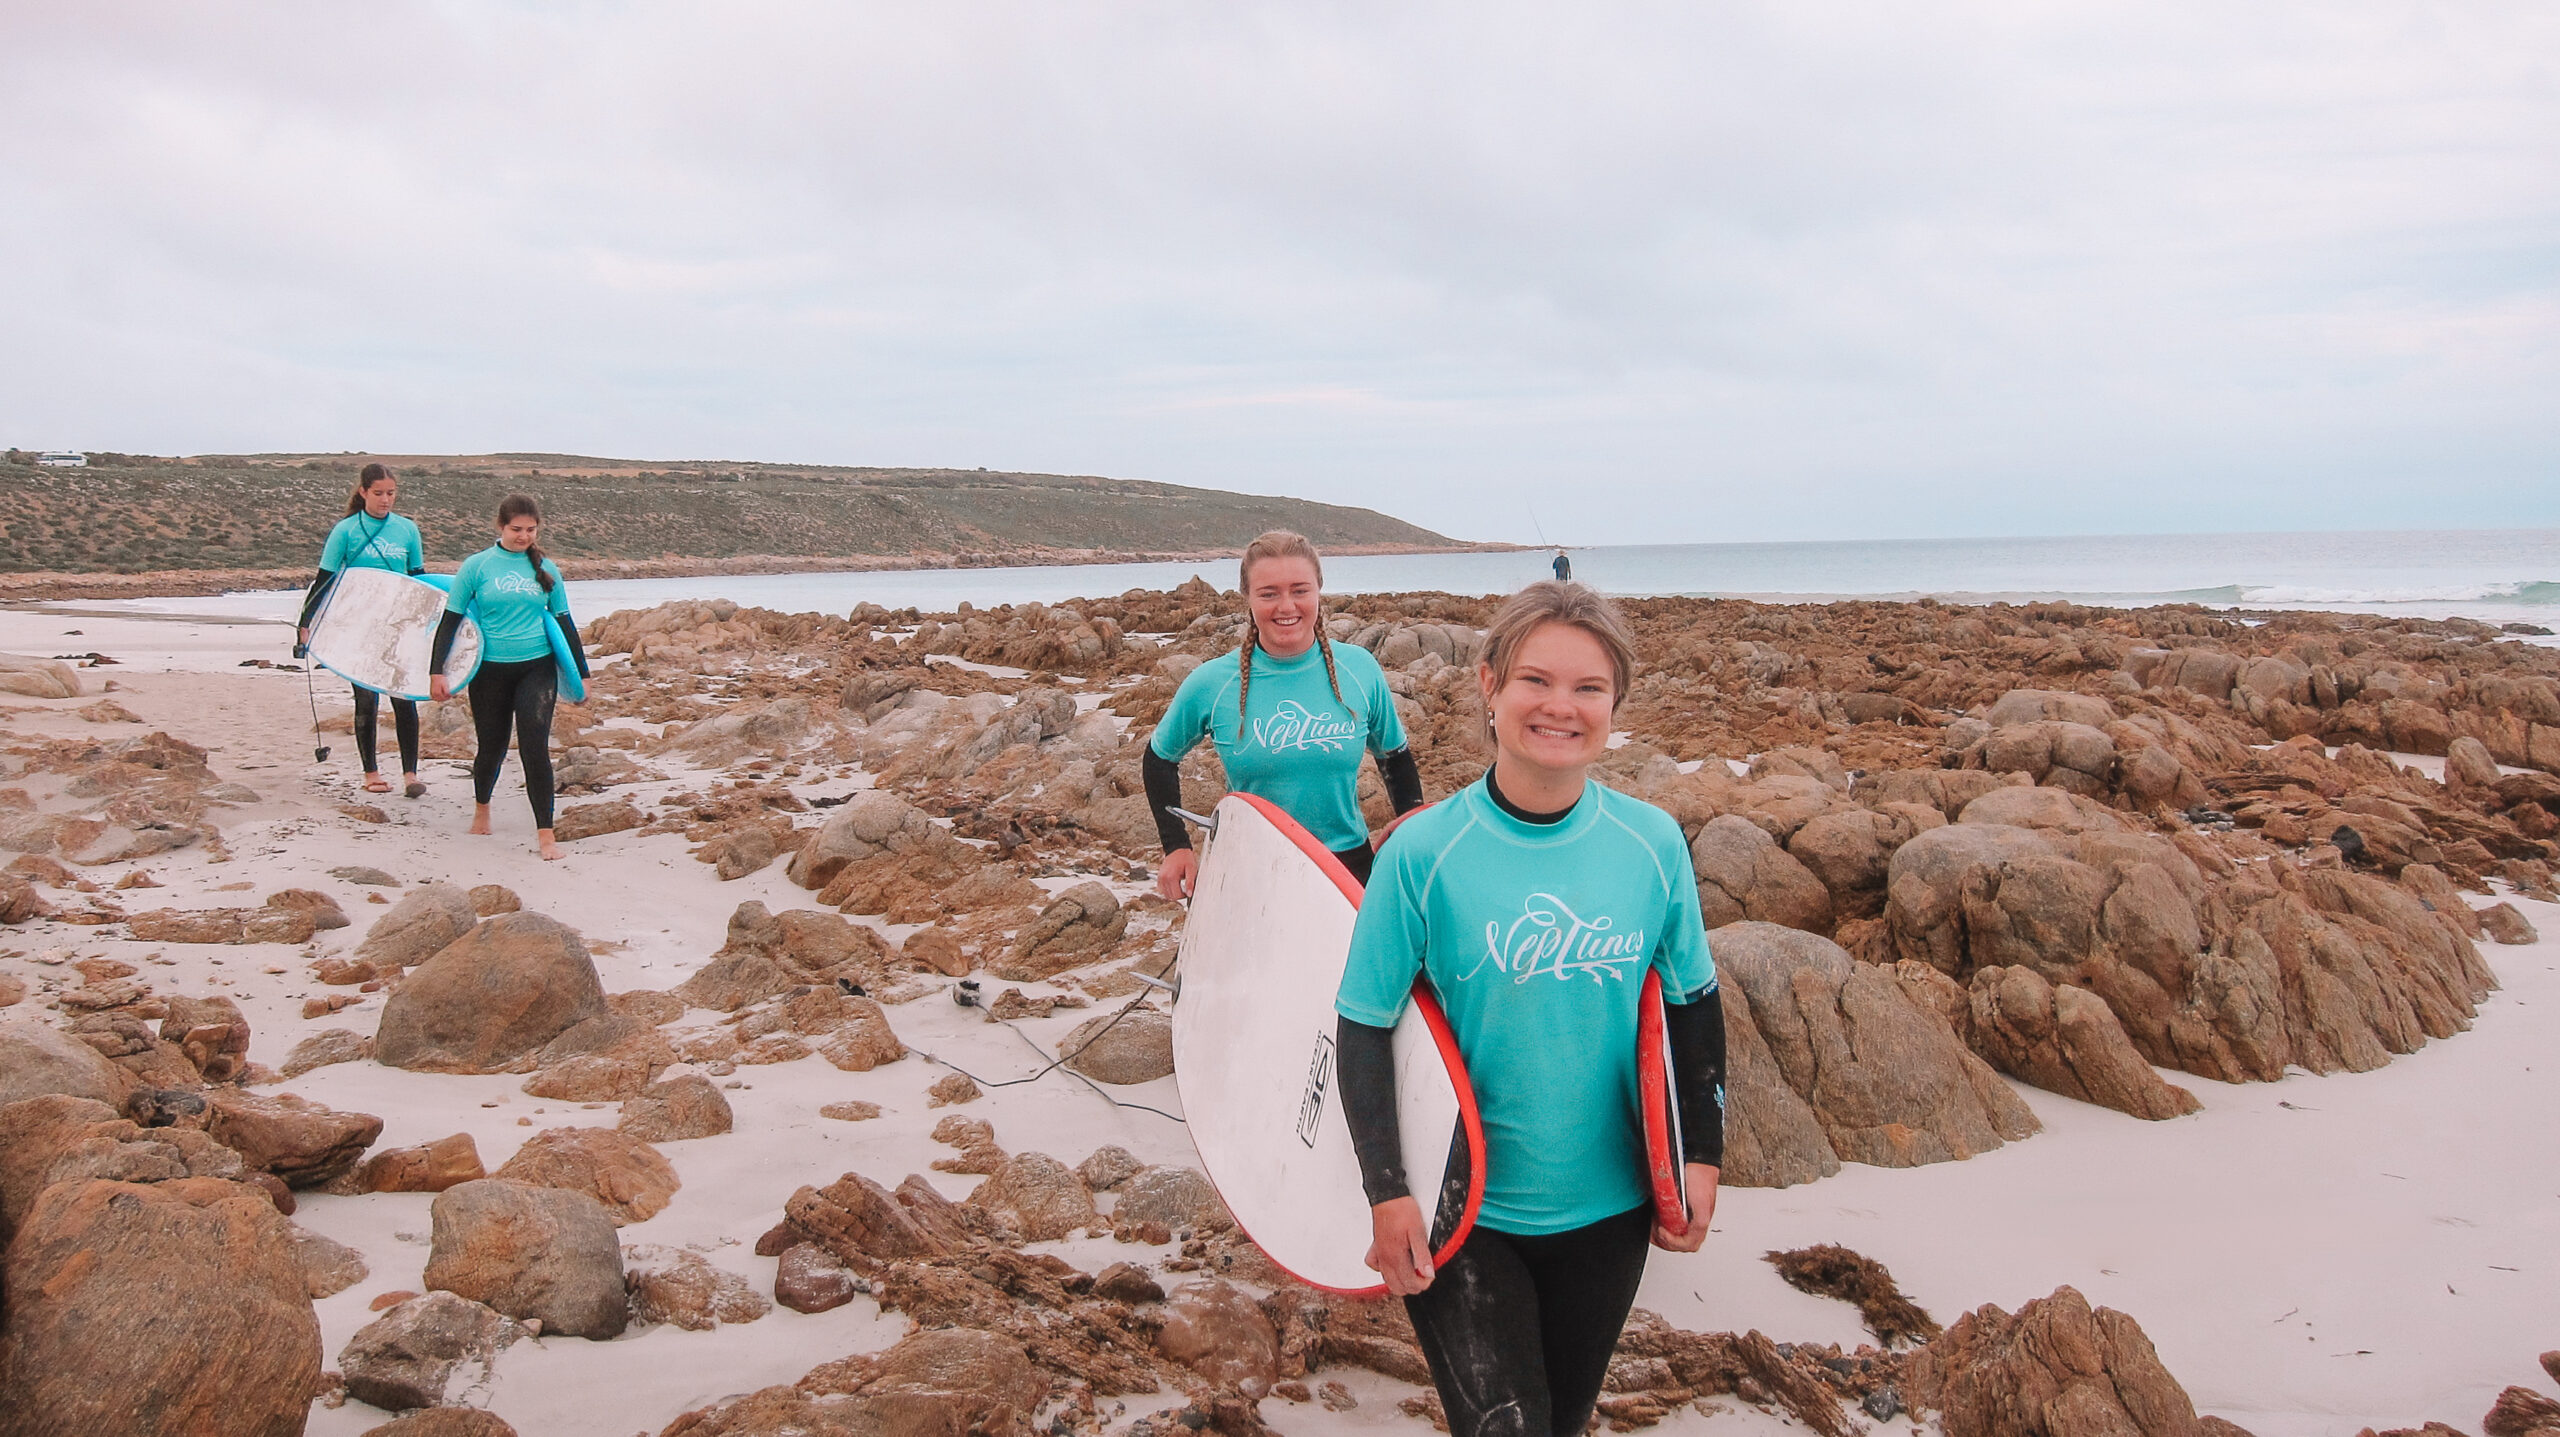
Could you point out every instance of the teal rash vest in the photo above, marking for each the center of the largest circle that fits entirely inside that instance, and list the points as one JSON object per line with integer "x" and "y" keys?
{"x": 360, "y": 541}
{"x": 1535, "y": 939}
{"x": 497, "y": 588}
{"x": 1298, "y": 746}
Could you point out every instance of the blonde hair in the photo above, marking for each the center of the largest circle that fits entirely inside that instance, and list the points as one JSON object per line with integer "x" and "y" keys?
{"x": 1556, "y": 601}
{"x": 1278, "y": 544}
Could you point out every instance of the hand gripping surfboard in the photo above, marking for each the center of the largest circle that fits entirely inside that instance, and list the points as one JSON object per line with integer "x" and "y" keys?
{"x": 377, "y": 630}
{"x": 1263, "y": 951}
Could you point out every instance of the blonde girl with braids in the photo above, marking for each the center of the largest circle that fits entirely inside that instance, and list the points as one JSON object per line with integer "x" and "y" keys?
{"x": 1291, "y": 714}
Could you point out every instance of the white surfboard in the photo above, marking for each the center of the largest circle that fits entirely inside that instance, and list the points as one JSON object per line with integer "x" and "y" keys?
{"x": 1263, "y": 952}
{"x": 377, "y": 630}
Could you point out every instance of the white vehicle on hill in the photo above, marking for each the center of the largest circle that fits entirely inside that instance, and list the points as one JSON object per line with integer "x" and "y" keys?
{"x": 62, "y": 459}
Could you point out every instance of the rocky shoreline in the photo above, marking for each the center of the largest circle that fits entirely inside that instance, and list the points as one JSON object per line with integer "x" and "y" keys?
{"x": 1972, "y": 873}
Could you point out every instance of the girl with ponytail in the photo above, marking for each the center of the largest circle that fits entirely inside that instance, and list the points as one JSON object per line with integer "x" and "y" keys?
{"x": 1290, "y": 714}
{"x": 371, "y": 537}
{"x": 517, "y": 598}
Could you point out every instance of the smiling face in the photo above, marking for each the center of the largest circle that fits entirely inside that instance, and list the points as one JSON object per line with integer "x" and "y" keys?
{"x": 1551, "y": 712}
{"x": 1285, "y": 597}
{"x": 517, "y": 534}
{"x": 379, "y": 496}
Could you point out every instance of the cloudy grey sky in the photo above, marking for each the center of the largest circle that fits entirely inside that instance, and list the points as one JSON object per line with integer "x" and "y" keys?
{"x": 1656, "y": 272}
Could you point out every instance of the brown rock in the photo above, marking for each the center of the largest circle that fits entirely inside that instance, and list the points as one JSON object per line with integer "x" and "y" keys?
{"x": 428, "y": 1168}
{"x": 488, "y": 900}
{"x": 952, "y": 1088}
{"x": 320, "y": 1050}
{"x": 418, "y": 926}
{"x": 1221, "y": 1334}
{"x": 594, "y": 820}
{"x": 863, "y": 1040}
{"x": 502, "y": 991}
{"x": 811, "y": 1279}
{"x": 629, "y": 1177}
{"x": 670, "y": 1285}
{"x": 746, "y": 851}
{"x": 195, "y": 1315}
{"x": 1175, "y": 1198}
{"x": 531, "y": 1252}
{"x": 329, "y": 1267}
{"x": 1036, "y": 1198}
{"x": 2057, "y": 1366}
{"x": 1888, "y": 1080}
{"x": 938, "y": 949}
{"x": 1126, "y": 1282}
{"x": 1108, "y": 1167}
{"x": 56, "y": 1138}
{"x": 653, "y": 1008}
{"x": 2436, "y": 891}
{"x": 212, "y": 1032}
{"x": 324, "y": 910}
{"x": 871, "y": 822}
{"x": 444, "y": 1422}
{"x": 865, "y": 1225}
{"x": 1134, "y": 1047}
{"x": 13, "y": 989}
{"x": 407, "y": 1357}
{"x": 850, "y": 1110}
{"x": 2063, "y": 1040}
{"x": 687, "y": 1106}
{"x": 1772, "y": 1137}
{"x": 2504, "y": 924}
{"x": 1744, "y": 874}
{"x": 2521, "y": 1410}
{"x": 767, "y": 955}
{"x": 1077, "y": 927}
{"x": 299, "y": 1141}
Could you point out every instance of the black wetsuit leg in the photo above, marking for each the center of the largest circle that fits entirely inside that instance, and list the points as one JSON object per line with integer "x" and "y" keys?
{"x": 404, "y": 722}
{"x": 1518, "y": 1329}
{"x": 1359, "y": 860}
{"x": 518, "y": 696}
{"x": 368, "y": 716}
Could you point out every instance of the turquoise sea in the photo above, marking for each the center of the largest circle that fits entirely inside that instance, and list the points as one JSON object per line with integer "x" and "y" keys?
{"x": 2498, "y": 575}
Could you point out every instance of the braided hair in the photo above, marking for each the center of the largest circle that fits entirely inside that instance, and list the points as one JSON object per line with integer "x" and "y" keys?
{"x": 1279, "y": 544}
{"x": 521, "y": 506}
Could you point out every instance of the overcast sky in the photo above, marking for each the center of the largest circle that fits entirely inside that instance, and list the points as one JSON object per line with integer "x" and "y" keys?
{"x": 1652, "y": 273}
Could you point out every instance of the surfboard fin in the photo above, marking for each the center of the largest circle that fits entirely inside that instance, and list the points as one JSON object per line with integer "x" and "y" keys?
{"x": 1174, "y": 987}
{"x": 1205, "y": 822}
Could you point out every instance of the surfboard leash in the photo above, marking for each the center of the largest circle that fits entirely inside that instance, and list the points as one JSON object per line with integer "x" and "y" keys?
{"x": 1060, "y": 1062}
{"x": 311, "y": 695}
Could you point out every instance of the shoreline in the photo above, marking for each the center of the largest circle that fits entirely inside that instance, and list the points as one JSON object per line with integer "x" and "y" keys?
{"x": 38, "y": 586}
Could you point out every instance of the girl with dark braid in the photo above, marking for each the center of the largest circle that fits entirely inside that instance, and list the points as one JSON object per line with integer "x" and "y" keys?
{"x": 1291, "y": 714}
{"x": 516, "y": 596}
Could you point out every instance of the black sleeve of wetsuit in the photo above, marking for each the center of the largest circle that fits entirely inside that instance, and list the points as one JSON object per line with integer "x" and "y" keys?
{"x": 1164, "y": 794}
{"x": 446, "y": 628}
{"x": 1364, "y": 1062}
{"x": 577, "y": 648}
{"x": 1696, "y": 1030}
{"x": 1404, "y": 780}
{"x": 320, "y": 580}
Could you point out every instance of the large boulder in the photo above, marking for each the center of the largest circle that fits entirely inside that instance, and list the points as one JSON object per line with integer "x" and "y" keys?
{"x": 686, "y": 1106}
{"x": 297, "y": 1140}
{"x": 56, "y": 1139}
{"x": 37, "y": 678}
{"x": 168, "y": 1310}
{"x": 1222, "y": 1334}
{"x": 37, "y": 1058}
{"x": 1172, "y": 1198}
{"x": 1744, "y": 875}
{"x": 408, "y": 1356}
{"x": 1077, "y": 927}
{"x": 2037, "y": 705}
{"x": 530, "y": 1252}
{"x": 424, "y": 920}
{"x": 449, "y": 1161}
{"x": 871, "y": 822}
{"x": 1036, "y": 1198}
{"x": 1131, "y": 1047}
{"x": 632, "y": 1179}
{"x": 768, "y": 954}
{"x": 1888, "y": 1080}
{"x": 1772, "y": 1139}
{"x": 491, "y": 997}
{"x": 2063, "y": 1040}
{"x": 2056, "y": 1367}
{"x": 867, "y": 1226}
{"x": 672, "y": 1286}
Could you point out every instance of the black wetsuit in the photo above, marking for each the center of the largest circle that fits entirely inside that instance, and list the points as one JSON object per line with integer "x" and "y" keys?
{"x": 513, "y": 696}
{"x": 1518, "y": 1328}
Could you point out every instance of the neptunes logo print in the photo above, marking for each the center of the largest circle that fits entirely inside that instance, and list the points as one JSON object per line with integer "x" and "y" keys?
{"x": 1550, "y": 940}
{"x": 512, "y": 584}
{"x": 1294, "y": 726}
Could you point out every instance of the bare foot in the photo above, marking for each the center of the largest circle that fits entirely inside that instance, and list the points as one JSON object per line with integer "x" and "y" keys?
{"x": 376, "y": 783}
{"x": 411, "y": 787}
{"x": 550, "y": 848}
{"x": 480, "y": 820}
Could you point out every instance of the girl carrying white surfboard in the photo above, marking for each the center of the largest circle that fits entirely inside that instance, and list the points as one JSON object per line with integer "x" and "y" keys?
{"x": 371, "y": 536}
{"x": 1290, "y": 713}
{"x": 1534, "y": 902}
{"x": 530, "y": 652}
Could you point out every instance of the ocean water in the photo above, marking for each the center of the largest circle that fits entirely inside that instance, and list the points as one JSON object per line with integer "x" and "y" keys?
{"x": 2496, "y": 575}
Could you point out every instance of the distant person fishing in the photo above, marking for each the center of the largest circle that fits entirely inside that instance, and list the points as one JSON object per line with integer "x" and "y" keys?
{"x": 1290, "y": 712}
{"x": 521, "y": 605}
{"x": 1534, "y": 902}
{"x": 371, "y": 536}
{"x": 1563, "y": 567}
